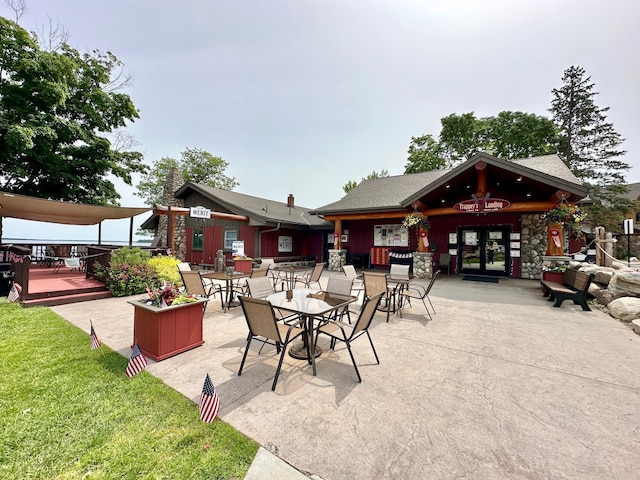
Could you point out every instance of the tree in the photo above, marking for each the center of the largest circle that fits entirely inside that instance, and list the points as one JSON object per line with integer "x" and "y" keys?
{"x": 509, "y": 135}
{"x": 195, "y": 165}
{"x": 590, "y": 147}
{"x": 424, "y": 154}
{"x": 351, "y": 184}
{"x": 55, "y": 118}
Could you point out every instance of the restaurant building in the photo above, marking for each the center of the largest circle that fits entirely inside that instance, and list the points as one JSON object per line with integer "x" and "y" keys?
{"x": 485, "y": 216}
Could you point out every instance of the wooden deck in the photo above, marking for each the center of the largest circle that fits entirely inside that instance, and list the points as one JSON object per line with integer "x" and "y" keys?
{"x": 48, "y": 286}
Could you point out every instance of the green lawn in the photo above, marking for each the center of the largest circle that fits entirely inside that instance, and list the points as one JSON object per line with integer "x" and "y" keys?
{"x": 69, "y": 412}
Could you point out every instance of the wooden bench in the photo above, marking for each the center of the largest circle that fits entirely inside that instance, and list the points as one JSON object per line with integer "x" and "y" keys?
{"x": 574, "y": 286}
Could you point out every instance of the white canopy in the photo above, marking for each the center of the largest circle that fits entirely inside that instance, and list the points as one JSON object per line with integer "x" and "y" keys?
{"x": 56, "y": 211}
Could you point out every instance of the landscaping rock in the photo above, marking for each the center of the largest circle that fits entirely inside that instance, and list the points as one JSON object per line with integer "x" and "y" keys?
{"x": 625, "y": 284}
{"x": 636, "y": 326}
{"x": 602, "y": 296}
{"x": 625, "y": 308}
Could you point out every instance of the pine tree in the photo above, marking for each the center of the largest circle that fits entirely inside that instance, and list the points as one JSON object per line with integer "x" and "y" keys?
{"x": 590, "y": 146}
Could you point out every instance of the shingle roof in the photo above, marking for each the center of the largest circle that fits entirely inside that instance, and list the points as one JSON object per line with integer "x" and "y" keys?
{"x": 259, "y": 210}
{"x": 396, "y": 192}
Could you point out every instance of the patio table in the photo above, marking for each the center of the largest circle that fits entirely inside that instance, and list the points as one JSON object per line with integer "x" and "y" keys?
{"x": 229, "y": 278}
{"x": 309, "y": 304}
{"x": 289, "y": 272}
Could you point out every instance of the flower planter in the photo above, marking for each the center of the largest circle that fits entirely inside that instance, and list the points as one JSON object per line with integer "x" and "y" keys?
{"x": 244, "y": 266}
{"x": 164, "y": 332}
{"x": 552, "y": 276}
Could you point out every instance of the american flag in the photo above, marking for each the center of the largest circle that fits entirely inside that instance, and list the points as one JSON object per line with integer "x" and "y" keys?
{"x": 14, "y": 293}
{"x": 137, "y": 362}
{"x": 209, "y": 402}
{"x": 95, "y": 343}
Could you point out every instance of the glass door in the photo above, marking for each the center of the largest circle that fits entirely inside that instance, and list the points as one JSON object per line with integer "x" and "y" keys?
{"x": 483, "y": 250}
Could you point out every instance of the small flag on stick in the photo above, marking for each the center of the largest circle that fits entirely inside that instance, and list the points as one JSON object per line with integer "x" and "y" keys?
{"x": 209, "y": 402}
{"x": 95, "y": 343}
{"x": 137, "y": 362}
{"x": 14, "y": 293}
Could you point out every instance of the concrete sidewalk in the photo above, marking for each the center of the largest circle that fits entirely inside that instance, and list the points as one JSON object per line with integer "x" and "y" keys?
{"x": 500, "y": 385}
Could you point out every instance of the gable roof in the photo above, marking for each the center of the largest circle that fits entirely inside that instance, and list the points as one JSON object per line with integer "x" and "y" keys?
{"x": 261, "y": 211}
{"x": 399, "y": 192}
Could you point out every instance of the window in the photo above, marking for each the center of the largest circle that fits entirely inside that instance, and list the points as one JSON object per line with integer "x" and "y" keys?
{"x": 230, "y": 236}
{"x": 197, "y": 240}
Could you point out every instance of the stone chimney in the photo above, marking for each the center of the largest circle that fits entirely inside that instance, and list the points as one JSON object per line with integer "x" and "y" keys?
{"x": 172, "y": 183}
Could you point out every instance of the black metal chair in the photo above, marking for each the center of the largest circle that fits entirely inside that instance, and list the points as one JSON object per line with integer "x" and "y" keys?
{"x": 419, "y": 292}
{"x": 264, "y": 326}
{"x": 340, "y": 331}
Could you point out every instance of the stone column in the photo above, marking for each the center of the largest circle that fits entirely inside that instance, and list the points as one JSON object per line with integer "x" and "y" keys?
{"x": 337, "y": 258}
{"x": 422, "y": 264}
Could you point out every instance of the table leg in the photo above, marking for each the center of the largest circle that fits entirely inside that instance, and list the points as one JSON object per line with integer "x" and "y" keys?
{"x": 301, "y": 351}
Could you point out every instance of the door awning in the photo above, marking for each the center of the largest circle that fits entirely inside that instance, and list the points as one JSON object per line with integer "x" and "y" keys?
{"x": 56, "y": 211}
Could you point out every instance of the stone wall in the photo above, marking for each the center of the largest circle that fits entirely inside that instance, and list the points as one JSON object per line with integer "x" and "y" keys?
{"x": 337, "y": 258}
{"x": 533, "y": 245}
{"x": 173, "y": 182}
{"x": 422, "y": 262}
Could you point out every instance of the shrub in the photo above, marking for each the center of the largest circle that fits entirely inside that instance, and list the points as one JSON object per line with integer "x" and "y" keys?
{"x": 128, "y": 272}
{"x": 166, "y": 269}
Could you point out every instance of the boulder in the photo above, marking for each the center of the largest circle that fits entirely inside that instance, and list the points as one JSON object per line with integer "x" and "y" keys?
{"x": 625, "y": 284}
{"x": 636, "y": 326}
{"x": 625, "y": 308}
{"x": 602, "y": 295}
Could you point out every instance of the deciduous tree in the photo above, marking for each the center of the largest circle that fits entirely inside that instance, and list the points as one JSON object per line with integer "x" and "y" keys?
{"x": 55, "y": 118}
{"x": 195, "y": 165}
{"x": 351, "y": 184}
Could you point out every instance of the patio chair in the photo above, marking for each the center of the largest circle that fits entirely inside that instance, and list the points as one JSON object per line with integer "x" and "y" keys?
{"x": 357, "y": 283}
{"x": 420, "y": 292}
{"x": 258, "y": 273}
{"x": 340, "y": 331}
{"x": 264, "y": 326}
{"x": 374, "y": 283}
{"x": 309, "y": 278}
{"x": 195, "y": 285}
{"x": 340, "y": 286}
{"x": 261, "y": 287}
{"x": 444, "y": 262}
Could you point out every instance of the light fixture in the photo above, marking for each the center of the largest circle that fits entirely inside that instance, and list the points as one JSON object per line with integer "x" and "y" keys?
{"x": 447, "y": 186}
{"x": 528, "y": 194}
{"x": 443, "y": 200}
{"x": 518, "y": 179}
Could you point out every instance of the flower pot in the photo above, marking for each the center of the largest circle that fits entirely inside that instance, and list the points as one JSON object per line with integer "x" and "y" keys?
{"x": 164, "y": 332}
{"x": 244, "y": 266}
{"x": 552, "y": 276}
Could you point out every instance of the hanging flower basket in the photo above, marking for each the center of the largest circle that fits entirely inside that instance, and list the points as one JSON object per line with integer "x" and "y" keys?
{"x": 566, "y": 213}
{"x": 416, "y": 219}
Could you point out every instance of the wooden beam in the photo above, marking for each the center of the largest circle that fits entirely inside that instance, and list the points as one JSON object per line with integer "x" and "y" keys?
{"x": 183, "y": 211}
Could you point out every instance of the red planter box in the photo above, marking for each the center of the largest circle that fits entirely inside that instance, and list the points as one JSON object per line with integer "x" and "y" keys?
{"x": 552, "y": 276}
{"x": 164, "y": 332}
{"x": 243, "y": 266}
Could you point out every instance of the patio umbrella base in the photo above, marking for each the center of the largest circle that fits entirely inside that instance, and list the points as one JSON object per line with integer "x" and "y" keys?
{"x": 299, "y": 352}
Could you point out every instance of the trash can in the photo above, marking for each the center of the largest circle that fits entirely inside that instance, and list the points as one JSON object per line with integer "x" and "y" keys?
{"x": 6, "y": 278}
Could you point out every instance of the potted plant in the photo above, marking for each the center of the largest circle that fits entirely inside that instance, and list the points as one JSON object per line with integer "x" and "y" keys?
{"x": 167, "y": 321}
{"x": 243, "y": 264}
{"x": 563, "y": 214}
{"x": 554, "y": 273}
{"x": 420, "y": 222}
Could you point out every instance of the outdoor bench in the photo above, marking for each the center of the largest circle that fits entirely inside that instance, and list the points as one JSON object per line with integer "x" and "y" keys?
{"x": 574, "y": 286}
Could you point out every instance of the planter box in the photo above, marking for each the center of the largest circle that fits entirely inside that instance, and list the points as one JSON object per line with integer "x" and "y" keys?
{"x": 243, "y": 266}
{"x": 552, "y": 276}
{"x": 164, "y": 332}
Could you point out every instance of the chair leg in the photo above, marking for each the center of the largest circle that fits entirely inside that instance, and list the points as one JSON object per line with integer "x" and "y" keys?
{"x": 373, "y": 348}
{"x": 275, "y": 379}
{"x": 354, "y": 361}
{"x": 427, "y": 309}
{"x": 434, "y": 310}
{"x": 244, "y": 357}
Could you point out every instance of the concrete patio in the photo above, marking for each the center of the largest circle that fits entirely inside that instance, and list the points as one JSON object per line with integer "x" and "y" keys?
{"x": 500, "y": 385}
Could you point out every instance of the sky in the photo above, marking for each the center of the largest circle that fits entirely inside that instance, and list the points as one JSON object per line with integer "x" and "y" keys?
{"x": 301, "y": 96}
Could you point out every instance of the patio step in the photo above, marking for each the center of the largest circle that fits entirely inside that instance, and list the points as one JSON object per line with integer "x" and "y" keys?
{"x": 51, "y": 299}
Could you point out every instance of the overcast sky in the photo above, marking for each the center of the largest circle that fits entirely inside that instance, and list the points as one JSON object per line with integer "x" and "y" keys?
{"x": 301, "y": 96}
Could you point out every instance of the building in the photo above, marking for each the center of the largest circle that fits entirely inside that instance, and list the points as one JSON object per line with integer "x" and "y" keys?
{"x": 486, "y": 214}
